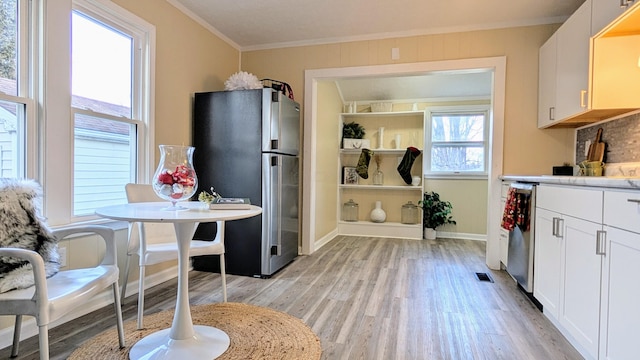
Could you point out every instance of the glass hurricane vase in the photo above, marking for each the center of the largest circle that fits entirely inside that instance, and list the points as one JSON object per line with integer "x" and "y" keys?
{"x": 175, "y": 178}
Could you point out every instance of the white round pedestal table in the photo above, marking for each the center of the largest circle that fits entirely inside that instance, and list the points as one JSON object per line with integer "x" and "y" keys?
{"x": 183, "y": 340}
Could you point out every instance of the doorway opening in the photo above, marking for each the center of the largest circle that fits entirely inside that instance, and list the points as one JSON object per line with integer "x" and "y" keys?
{"x": 318, "y": 229}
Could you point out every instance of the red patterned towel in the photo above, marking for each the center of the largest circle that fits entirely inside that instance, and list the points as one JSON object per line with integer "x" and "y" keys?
{"x": 516, "y": 211}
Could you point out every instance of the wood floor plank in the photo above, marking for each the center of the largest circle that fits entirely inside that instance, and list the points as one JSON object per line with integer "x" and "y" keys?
{"x": 371, "y": 298}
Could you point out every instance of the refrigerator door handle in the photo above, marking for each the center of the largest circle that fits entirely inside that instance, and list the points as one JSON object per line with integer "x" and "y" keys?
{"x": 277, "y": 209}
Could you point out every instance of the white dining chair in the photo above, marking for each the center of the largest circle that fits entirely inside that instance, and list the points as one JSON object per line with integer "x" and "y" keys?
{"x": 156, "y": 243}
{"x": 51, "y": 298}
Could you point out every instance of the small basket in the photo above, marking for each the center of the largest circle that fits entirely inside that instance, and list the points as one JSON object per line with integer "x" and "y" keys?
{"x": 381, "y": 107}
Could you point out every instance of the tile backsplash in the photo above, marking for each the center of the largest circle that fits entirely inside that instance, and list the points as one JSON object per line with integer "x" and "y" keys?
{"x": 622, "y": 138}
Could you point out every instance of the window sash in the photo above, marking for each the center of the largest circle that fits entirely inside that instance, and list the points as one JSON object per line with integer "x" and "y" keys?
{"x": 432, "y": 146}
{"x": 137, "y": 159}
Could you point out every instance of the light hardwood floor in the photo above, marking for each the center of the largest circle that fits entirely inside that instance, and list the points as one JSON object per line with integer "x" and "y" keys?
{"x": 372, "y": 298}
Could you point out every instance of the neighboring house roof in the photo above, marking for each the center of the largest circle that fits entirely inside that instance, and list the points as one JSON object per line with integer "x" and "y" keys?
{"x": 8, "y": 86}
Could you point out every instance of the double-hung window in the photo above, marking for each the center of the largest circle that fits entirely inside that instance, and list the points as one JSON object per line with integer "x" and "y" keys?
{"x": 456, "y": 141}
{"x": 110, "y": 105}
{"x": 17, "y": 106}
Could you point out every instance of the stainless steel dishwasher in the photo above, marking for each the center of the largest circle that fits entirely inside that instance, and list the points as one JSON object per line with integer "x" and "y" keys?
{"x": 522, "y": 235}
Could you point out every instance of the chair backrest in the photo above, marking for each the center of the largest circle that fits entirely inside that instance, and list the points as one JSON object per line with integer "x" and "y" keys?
{"x": 141, "y": 193}
{"x": 22, "y": 226}
{"x": 153, "y": 233}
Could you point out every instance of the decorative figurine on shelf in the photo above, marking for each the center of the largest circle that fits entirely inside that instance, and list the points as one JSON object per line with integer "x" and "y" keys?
{"x": 378, "y": 215}
{"x": 381, "y": 137}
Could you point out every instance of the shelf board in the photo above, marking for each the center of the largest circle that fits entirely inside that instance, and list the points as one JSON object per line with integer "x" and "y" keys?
{"x": 388, "y": 113}
{"x": 375, "y": 151}
{"x": 381, "y": 187}
{"x": 384, "y": 229}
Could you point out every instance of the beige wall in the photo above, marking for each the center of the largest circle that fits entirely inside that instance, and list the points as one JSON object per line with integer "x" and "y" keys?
{"x": 189, "y": 59}
{"x": 327, "y": 175}
{"x": 469, "y": 201}
{"x": 528, "y": 151}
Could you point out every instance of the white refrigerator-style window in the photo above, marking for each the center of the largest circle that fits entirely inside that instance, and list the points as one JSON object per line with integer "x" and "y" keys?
{"x": 17, "y": 115}
{"x": 108, "y": 109}
{"x": 457, "y": 141}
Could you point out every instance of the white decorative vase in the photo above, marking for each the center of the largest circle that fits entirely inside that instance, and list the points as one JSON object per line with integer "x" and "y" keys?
{"x": 380, "y": 138}
{"x": 429, "y": 233}
{"x": 378, "y": 215}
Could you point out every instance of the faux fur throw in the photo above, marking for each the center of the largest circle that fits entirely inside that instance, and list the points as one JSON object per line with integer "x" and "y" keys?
{"x": 22, "y": 226}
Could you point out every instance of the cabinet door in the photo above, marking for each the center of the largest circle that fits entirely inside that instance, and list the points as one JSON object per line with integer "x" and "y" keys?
{"x": 604, "y": 12}
{"x": 547, "y": 81}
{"x": 547, "y": 260}
{"x": 573, "y": 63}
{"x": 580, "y": 312}
{"x": 621, "y": 291}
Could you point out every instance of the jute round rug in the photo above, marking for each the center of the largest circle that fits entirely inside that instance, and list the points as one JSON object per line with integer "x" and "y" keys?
{"x": 255, "y": 332}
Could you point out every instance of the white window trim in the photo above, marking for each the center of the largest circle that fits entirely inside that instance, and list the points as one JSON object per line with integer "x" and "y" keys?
{"x": 429, "y": 111}
{"x": 26, "y": 80}
{"x": 55, "y": 118}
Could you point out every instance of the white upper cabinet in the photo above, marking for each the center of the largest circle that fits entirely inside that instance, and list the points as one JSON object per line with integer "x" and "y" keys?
{"x": 547, "y": 81}
{"x": 591, "y": 74}
{"x": 603, "y": 12}
{"x": 572, "y": 74}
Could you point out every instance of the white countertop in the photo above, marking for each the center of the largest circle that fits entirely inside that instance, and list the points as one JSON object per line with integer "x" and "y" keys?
{"x": 595, "y": 181}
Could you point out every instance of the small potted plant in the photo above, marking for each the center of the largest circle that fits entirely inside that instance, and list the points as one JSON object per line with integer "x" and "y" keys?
{"x": 353, "y": 136}
{"x": 435, "y": 212}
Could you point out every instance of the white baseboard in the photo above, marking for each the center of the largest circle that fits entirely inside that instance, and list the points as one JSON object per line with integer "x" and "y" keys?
{"x": 324, "y": 240}
{"x": 29, "y": 327}
{"x": 461, "y": 236}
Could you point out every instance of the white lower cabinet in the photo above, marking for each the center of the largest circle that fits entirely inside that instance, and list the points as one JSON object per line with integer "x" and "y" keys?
{"x": 620, "y": 313}
{"x": 586, "y": 271}
{"x": 580, "y": 284}
{"x": 547, "y": 261}
{"x": 620, "y": 317}
{"x": 567, "y": 269}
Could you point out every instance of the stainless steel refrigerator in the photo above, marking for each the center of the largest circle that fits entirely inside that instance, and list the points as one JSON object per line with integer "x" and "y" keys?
{"x": 247, "y": 145}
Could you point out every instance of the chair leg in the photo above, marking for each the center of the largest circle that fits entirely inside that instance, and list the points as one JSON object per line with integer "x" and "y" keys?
{"x": 117, "y": 307}
{"x": 43, "y": 334}
{"x": 141, "y": 297}
{"x": 224, "y": 278}
{"x": 16, "y": 336}
{"x": 125, "y": 280}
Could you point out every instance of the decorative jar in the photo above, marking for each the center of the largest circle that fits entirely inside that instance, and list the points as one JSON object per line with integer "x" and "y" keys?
{"x": 378, "y": 177}
{"x": 409, "y": 213}
{"x": 175, "y": 178}
{"x": 377, "y": 214}
{"x": 350, "y": 211}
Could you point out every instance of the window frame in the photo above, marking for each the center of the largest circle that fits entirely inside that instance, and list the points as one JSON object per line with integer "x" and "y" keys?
{"x": 429, "y": 144}
{"x": 143, "y": 53}
{"x": 26, "y": 82}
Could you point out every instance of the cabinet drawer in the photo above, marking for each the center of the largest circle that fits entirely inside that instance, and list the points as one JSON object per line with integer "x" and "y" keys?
{"x": 580, "y": 203}
{"x": 620, "y": 212}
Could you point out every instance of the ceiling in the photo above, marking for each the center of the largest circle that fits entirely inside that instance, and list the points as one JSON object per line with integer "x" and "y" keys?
{"x": 259, "y": 24}
{"x": 263, "y": 24}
